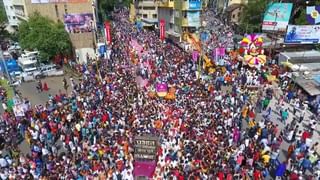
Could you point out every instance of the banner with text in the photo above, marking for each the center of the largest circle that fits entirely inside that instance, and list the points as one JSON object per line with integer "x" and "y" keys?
{"x": 145, "y": 148}
{"x": 162, "y": 29}
{"x": 277, "y": 16}
{"x": 306, "y": 34}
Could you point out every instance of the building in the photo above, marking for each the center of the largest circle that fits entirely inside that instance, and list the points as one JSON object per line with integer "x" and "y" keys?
{"x": 234, "y": 9}
{"x": 181, "y": 16}
{"x": 16, "y": 12}
{"x": 82, "y": 33}
{"x": 147, "y": 11}
{"x": 166, "y": 12}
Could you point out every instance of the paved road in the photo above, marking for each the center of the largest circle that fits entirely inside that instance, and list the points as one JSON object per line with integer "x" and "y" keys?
{"x": 28, "y": 89}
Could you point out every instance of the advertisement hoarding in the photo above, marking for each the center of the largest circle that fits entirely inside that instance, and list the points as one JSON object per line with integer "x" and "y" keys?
{"x": 277, "y": 16}
{"x": 306, "y": 34}
{"x": 313, "y": 14}
{"x": 194, "y": 4}
{"x": 58, "y": 1}
{"x": 78, "y": 23}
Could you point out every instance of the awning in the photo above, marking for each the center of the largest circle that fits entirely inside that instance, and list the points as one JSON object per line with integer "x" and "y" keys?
{"x": 309, "y": 85}
{"x": 173, "y": 33}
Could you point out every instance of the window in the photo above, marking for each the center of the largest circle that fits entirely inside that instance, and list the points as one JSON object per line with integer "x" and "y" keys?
{"x": 65, "y": 9}
{"x": 149, "y": 8}
{"x": 170, "y": 26}
{"x": 11, "y": 7}
{"x": 154, "y": 16}
{"x": 145, "y": 16}
{"x": 13, "y": 17}
{"x": 233, "y": 16}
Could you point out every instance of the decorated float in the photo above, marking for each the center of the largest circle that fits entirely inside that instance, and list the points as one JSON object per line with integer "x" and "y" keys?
{"x": 253, "y": 53}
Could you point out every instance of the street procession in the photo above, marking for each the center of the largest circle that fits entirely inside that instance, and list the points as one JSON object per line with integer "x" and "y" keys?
{"x": 157, "y": 90}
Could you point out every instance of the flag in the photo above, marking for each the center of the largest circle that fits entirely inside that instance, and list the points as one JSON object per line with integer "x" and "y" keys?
{"x": 162, "y": 29}
{"x": 313, "y": 14}
{"x": 107, "y": 32}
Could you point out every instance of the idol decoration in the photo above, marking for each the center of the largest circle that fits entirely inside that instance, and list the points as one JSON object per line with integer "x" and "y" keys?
{"x": 253, "y": 52}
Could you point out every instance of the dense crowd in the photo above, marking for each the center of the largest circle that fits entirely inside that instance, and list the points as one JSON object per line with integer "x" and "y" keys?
{"x": 89, "y": 133}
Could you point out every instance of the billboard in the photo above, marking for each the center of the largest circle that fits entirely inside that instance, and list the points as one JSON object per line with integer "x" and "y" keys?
{"x": 193, "y": 18}
{"x": 306, "y": 34}
{"x": 58, "y": 1}
{"x": 78, "y": 23}
{"x": 277, "y": 16}
{"x": 194, "y": 4}
{"x": 313, "y": 14}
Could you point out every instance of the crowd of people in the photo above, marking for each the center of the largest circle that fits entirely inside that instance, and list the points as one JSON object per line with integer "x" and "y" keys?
{"x": 210, "y": 130}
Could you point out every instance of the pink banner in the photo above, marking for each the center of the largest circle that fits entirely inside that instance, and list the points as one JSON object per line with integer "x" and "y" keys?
{"x": 219, "y": 52}
{"x": 195, "y": 55}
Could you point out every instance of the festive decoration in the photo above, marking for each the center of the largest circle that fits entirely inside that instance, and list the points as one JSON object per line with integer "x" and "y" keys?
{"x": 107, "y": 31}
{"x": 253, "y": 52}
{"x": 162, "y": 89}
{"x": 162, "y": 29}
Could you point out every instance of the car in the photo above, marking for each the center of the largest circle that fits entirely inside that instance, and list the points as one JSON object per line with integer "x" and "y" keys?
{"x": 28, "y": 75}
{"x": 48, "y": 70}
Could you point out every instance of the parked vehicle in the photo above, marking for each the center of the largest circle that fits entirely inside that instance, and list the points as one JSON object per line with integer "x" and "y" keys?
{"x": 48, "y": 70}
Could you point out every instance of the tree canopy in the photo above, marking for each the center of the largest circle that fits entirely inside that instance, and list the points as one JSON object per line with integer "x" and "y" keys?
{"x": 3, "y": 24}
{"x": 105, "y": 7}
{"x": 252, "y": 15}
{"x": 42, "y": 34}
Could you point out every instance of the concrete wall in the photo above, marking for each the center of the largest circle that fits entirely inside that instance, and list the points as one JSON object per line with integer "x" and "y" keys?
{"x": 167, "y": 15}
{"x": 56, "y": 11}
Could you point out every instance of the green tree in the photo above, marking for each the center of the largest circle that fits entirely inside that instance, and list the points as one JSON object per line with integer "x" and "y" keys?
{"x": 252, "y": 15}
{"x": 3, "y": 24}
{"x": 105, "y": 7}
{"x": 42, "y": 34}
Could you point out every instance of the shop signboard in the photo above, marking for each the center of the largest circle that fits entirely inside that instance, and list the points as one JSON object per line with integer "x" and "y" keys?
{"x": 194, "y": 4}
{"x": 304, "y": 34}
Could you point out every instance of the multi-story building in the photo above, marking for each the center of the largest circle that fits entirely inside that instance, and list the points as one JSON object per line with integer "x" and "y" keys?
{"x": 234, "y": 9}
{"x": 181, "y": 16}
{"x": 16, "y": 11}
{"x": 147, "y": 11}
{"x": 79, "y": 18}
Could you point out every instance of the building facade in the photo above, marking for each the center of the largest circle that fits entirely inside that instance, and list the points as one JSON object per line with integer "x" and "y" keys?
{"x": 181, "y": 16}
{"x": 234, "y": 10}
{"x": 147, "y": 11}
{"x": 78, "y": 17}
{"x": 16, "y": 11}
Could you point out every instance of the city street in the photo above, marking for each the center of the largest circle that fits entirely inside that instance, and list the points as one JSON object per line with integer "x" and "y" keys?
{"x": 29, "y": 90}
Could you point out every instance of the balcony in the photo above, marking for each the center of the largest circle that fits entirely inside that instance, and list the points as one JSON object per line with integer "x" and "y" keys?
{"x": 18, "y": 2}
{"x": 184, "y": 22}
{"x": 166, "y": 3}
{"x": 147, "y": 3}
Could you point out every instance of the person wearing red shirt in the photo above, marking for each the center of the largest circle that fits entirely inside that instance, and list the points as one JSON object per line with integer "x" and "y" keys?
{"x": 257, "y": 174}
